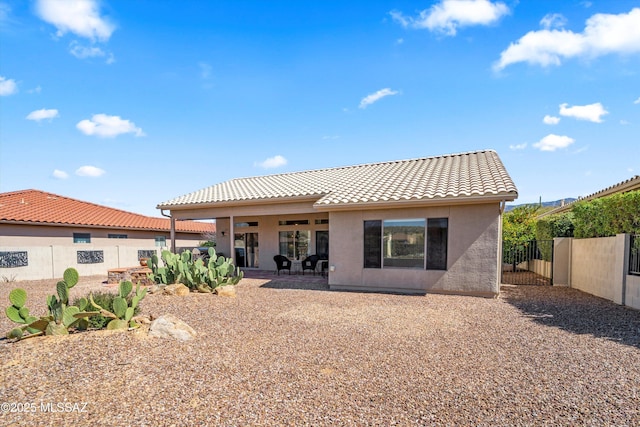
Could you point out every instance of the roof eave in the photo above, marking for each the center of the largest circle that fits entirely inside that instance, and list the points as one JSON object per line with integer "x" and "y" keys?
{"x": 246, "y": 202}
{"x": 106, "y": 227}
{"x": 436, "y": 201}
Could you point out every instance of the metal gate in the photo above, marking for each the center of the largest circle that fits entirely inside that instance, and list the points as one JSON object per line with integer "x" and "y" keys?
{"x": 528, "y": 263}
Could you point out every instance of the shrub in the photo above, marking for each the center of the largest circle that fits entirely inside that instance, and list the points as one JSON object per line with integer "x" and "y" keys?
{"x": 607, "y": 216}
{"x": 105, "y": 300}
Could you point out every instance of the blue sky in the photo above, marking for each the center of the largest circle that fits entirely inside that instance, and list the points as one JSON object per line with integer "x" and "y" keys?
{"x": 132, "y": 103}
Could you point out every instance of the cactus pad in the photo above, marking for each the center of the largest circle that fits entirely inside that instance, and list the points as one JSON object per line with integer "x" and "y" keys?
{"x": 71, "y": 277}
{"x": 18, "y": 297}
{"x": 125, "y": 289}
{"x": 117, "y": 324}
{"x": 15, "y": 333}
{"x": 119, "y": 307}
{"x": 63, "y": 291}
{"x": 14, "y": 314}
{"x": 68, "y": 317}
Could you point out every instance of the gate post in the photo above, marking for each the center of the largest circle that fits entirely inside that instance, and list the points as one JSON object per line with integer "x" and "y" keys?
{"x": 561, "y": 267}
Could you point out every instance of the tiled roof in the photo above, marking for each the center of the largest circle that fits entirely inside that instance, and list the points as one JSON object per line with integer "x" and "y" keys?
{"x": 630, "y": 184}
{"x": 465, "y": 175}
{"x": 39, "y": 207}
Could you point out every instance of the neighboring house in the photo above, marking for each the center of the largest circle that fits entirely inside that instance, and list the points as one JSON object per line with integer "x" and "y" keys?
{"x": 630, "y": 184}
{"x": 414, "y": 226}
{"x": 42, "y": 232}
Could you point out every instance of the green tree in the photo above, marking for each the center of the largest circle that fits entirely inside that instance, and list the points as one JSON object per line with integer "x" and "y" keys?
{"x": 519, "y": 225}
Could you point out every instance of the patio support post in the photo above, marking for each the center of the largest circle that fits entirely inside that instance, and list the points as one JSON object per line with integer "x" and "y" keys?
{"x": 232, "y": 241}
{"x": 173, "y": 234}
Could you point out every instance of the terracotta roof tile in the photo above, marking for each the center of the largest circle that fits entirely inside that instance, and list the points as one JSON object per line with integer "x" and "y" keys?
{"x": 39, "y": 207}
{"x": 473, "y": 174}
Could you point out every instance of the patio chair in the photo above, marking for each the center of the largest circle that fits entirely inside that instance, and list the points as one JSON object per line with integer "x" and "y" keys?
{"x": 282, "y": 263}
{"x": 310, "y": 263}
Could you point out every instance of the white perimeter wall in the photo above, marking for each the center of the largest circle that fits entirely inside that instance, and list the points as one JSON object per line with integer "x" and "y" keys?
{"x": 49, "y": 262}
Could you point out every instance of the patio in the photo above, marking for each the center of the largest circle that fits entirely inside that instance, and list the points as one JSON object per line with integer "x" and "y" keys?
{"x": 288, "y": 281}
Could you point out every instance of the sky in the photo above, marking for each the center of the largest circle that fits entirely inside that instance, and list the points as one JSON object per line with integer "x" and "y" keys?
{"x": 129, "y": 104}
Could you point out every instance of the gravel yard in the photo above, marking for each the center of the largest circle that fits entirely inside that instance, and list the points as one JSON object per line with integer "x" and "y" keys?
{"x": 289, "y": 356}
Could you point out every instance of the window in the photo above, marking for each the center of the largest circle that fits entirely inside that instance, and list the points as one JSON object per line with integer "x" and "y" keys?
{"x": 294, "y": 244}
{"x": 373, "y": 244}
{"x": 294, "y": 222}
{"x": 117, "y": 236}
{"x": 402, "y": 242}
{"x": 161, "y": 241}
{"x": 437, "y": 230}
{"x": 322, "y": 221}
{"x": 246, "y": 224}
{"x": 81, "y": 238}
{"x": 322, "y": 244}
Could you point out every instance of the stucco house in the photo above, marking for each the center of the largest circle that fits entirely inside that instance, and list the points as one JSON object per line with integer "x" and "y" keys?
{"x": 43, "y": 233}
{"x": 413, "y": 226}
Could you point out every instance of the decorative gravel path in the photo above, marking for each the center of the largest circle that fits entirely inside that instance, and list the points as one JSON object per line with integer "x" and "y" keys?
{"x": 281, "y": 355}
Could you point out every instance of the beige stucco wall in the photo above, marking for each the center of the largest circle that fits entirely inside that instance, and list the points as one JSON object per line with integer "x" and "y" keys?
{"x": 597, "y": 266}
{"x": 561, "y": 260}
{"x": 472, "y": 257}
{"x": 632, "y": 298}
{"x": 541, "y": 267}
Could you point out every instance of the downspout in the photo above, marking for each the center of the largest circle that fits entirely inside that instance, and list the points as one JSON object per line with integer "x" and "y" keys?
{"x": 503, "y": 205}
{"x": 172, "y": 235}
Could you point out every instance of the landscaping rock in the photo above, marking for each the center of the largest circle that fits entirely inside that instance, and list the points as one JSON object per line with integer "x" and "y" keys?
{"x": 176, "y": 289}
{"x": 169, "y": 326}
{"x": 226, "y": 291}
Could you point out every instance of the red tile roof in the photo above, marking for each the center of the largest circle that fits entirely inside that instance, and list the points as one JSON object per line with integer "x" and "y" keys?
{"x": 40, "y": 207}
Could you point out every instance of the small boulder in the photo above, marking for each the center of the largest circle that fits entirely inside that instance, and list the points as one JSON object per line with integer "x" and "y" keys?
{"x": 169, "y": 326}
{"x": 176, "y": 289}
{"x": 226, "y": 291}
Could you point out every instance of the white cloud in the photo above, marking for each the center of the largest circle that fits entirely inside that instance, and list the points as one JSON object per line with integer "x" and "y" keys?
{"x": 591, "y": 112}
{"x": 624, "y": 122}
{"x": 637, "y": 101}
{"x": 374, "y": 97}
{"x": 83, "y": 52}
{"x": 38, "y": 115}
{"x": 58, "y": 174}
{"x": 550, "y": 120}
{"x": 90, "y": 171}
{"x": 272, "y": 162}
{"x": 400, "y": 40}
{"x": 603, "y": 34}
{"x": 553, "y": 20}
{"x": 81, "y": 17}
{"x": 36, "y": 89}
{"x": 553, "y": 142}
{"x": 7, "y": 86}
{"x": 518, "y": 146}
{"x": 108, "y": 126}
{"x": 449, "y": 15}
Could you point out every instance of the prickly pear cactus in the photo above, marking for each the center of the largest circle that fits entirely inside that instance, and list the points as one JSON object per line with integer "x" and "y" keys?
{"x": 61, "y": 317}
{"x": 122, "y": 316}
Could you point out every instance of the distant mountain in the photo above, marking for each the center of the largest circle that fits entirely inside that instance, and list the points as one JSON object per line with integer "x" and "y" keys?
{"x": 553, "y": 204}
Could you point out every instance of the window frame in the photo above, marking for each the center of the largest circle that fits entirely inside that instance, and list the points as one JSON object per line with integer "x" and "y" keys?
{"x": 117, "y": 236}
{"x": 82, "y": 238}
{"x": 374, "y": 238}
